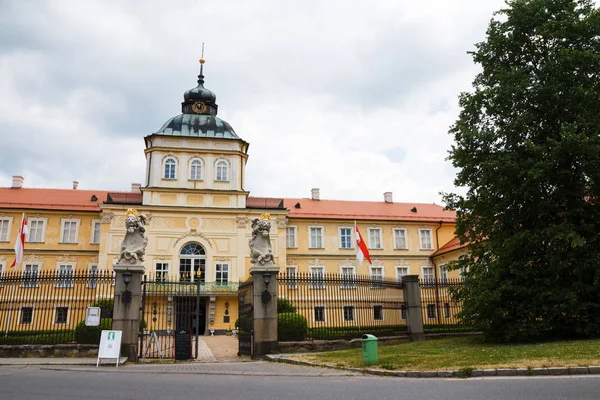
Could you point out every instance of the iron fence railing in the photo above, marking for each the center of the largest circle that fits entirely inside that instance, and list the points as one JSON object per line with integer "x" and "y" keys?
{"x": 338, "y": 306}
{"x": 439, "y": 308}
{"x": 48, "y": 307}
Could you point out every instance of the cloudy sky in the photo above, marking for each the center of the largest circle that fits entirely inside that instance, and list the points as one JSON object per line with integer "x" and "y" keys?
{"x": 354, "y": 98}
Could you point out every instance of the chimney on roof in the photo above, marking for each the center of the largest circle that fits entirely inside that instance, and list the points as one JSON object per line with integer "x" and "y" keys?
{"x": 315, "y": 194}
{"x": 136, "y": 187}
{"x": 75, "y": 185}
{"x": 388, "y": 197}
{"x": 17, "y": 182}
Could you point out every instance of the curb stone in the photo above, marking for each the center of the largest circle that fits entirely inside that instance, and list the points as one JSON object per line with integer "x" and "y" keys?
{"x": 592, "y": 370}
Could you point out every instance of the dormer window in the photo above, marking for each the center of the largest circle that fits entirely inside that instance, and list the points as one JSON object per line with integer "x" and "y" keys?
{"x": 196, "y": 170}
{"x": 170, "y": 166}
{"x": 222, "y": 171}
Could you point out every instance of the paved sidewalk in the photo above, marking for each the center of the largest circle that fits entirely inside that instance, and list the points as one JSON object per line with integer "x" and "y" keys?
{"x": 58, "y": 361}
{"x": 224, "y": 348}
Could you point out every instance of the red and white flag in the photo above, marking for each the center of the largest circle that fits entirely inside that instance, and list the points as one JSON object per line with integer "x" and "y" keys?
{"x": 361, "y": 247}
{"x": 20, "y": 243}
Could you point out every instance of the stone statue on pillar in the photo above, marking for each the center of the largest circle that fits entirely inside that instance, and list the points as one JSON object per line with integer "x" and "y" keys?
{"x": 261, "y": 251}
{"x": 133, "y": 247}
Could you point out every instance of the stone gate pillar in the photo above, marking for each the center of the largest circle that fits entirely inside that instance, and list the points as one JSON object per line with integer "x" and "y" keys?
{"x": 126, "y": 311}
{"x": 265, "y": 309}
{"x": 414, "y": 317}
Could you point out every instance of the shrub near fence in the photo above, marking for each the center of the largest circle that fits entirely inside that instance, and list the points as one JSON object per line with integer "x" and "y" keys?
{"x": 338, "y": 306}
{"x": 47, "y": 307}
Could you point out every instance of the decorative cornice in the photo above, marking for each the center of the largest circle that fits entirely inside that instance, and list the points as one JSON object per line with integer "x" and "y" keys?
{"x": 106, "y": 217}
{"x": 93, "y": 260}
{"x": 2, "y": 259}
{"x": 242, "y": 222}
{"x": 291, "y": 261}
{"x": 401, "y": 263}
{"x": 348, "y": 263}
{"x": 282, "y": 222}
{"x": 222, "y": 258}
{"x": 315, "y": 262}
{"x": 193, "y": 233}
{"x": 377, "y": 263}
{"x": 66, "y": 258}
{"x": 32, "y": 258}
{"x": 427, "y": 263}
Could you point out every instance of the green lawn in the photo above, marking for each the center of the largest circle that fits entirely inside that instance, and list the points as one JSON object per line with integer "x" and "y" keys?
{"x": 469, "y": 352}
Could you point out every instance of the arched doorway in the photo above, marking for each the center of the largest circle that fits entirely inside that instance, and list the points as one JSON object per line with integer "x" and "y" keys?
{"x": 192, "y": 263}
{"x": 190, "y": 310}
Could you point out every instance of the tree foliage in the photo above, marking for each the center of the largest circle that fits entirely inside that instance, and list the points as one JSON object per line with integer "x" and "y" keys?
{"x": 527, "y": 149}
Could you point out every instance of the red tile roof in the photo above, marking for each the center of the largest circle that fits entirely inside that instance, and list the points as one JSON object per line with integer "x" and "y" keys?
{"x": 124, "y": 198}
{"x": 52, "y": 199}
{"x": 264, "y": 202}
{"x": 452, "y": 245}
{"x": 367, "y": 210}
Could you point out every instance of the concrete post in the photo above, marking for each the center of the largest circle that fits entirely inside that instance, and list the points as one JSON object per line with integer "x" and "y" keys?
{"x": 126, "y": 316}
{"x": 265, "y": 312}
{"x": 414, "y": 317}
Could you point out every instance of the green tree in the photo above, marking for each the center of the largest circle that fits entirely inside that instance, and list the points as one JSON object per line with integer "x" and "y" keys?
{"x": 527, "y": 150}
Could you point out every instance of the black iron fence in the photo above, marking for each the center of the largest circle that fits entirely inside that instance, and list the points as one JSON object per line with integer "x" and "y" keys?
{"x": 334, "y": 306}
{"x": 246, "y": 318}
{"x": 49, "y": 307}
{"x": 439, "y": 308}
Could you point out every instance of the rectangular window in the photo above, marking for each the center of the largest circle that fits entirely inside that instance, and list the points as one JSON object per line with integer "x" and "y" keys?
{"x": 378, "y": 313}
{"x": 376, "y": 277}
{"x": 348, "y": 313}
{"x": 425, "y": 238}
{"x": 443, "y": 275}
{"x": 317, "y": 277}
{"x": 428, "y": 275}
{"x": 69, "y": 231}
{"x": 161, "y": 272}
{"x": 400, "y": 239}
{"x": 345, "y": 238}
{"x": 1, "y": 271}
{"x": 30, "y": 275}
{"x": 348, "y": 278}
{"x": 96, "y": 232}
{"x": 403, "y": 311}
{"x": 430, "y": 310}
{"x": 463, "y": 273}
{"x": 185, "y": 270}
{"x": 316, "y": 238}
{"x": 400, "y": 272}
{"x": 93, "y": 282}
{"x": 222, "y": 275}
{"x": 446, "y": 310}
{"x": 60, "y": 316}
{"x": 375, "y": 238}
{"x": 4, "y": 229}
{"x": 26, "y": 315}
{"x": 65, "y": 276}
{"x": 319, "y": 314}
{"x": 290, "y": 237}
{"x": 292, "y": 277}
{"x": 35, "y": 228}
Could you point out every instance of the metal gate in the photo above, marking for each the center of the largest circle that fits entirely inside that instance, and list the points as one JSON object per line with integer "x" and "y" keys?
{"x": 172, "y": 316}
{"x": 246, "y": 318}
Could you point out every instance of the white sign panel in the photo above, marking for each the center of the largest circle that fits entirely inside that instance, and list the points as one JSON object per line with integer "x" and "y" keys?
{"x": 110, "y": 345}
{"x": 92, "y": 316}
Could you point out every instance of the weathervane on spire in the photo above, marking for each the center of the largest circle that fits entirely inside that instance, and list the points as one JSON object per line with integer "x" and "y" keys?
{"x": 202, "y": 61}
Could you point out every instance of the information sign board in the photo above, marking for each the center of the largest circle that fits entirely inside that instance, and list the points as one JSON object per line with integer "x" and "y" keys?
{"x": 110, "y": 345}
{"x": 92, "y": 316}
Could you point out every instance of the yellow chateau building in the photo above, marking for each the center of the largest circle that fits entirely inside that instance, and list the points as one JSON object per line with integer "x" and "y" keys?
{"x": 199, "y": 217}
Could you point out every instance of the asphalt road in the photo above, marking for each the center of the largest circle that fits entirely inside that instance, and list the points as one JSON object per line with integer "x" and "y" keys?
{"x": 36, "y": 383}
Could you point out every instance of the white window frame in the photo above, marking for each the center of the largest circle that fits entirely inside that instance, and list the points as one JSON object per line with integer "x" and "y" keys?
{"x": 376, "y": 283}
{"x": 9, "y": 221}
{"x": 341, "y": 242}
{"x": 317, "y": 280}
{"x": 199, "y": 165}
{"x": 62, "y": 230}
{"x": 324, "y": 314}
{"x": 164, "y": 168}
{"x": 65, "y": 279}
{"x": 428, "y": 278}
{"x": 96, "y": 222}
{"x": 56, "y": 315}
{"x": 310, "y": 237}
{"x": 395, "y": 233}
{"x": 93, "y": 274}
{"x": 21, "y": 315}
{"x": 443, "y": 274}
{"x": 353, "y": 307}
{"x": 382, "y": 312}
{"x": 162, "y": 272}
{"x": 30, "y": 278}
{"x": 294, "y": 243}
{"x": 447, "y": 310}
{"x": 224, "y": 270}
{"x": 30, "y": 221}
{"x": 348, "y": 280}
{"x": 219, "y": 175}
{"x": 399, "y": 275}
{"x": 421, "y": 244}
{"x": 291, "y": 272}
{"x": 371, "y": 244}
{"x": 431, "y": 315}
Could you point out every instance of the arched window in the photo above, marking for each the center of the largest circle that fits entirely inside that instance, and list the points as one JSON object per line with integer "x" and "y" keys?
{"x": 192, "y": 263}
{"x": 196, "y": 170}
{"x": 170, "y": 166}
{"x": 222, "y": 171}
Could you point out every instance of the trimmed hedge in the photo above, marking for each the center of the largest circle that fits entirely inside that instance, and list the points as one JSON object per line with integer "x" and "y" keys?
{"x": 354, "y": 332}
{"x": 38, "y": 337}
{"x": 291, "y": 327}
{"x": 91, "y": 334}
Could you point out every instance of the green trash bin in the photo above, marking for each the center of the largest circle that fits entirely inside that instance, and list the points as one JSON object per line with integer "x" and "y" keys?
{"x": 369, "y": 343}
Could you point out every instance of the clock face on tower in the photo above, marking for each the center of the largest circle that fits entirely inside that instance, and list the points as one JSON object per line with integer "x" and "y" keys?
{"x": 199, "y": 107}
